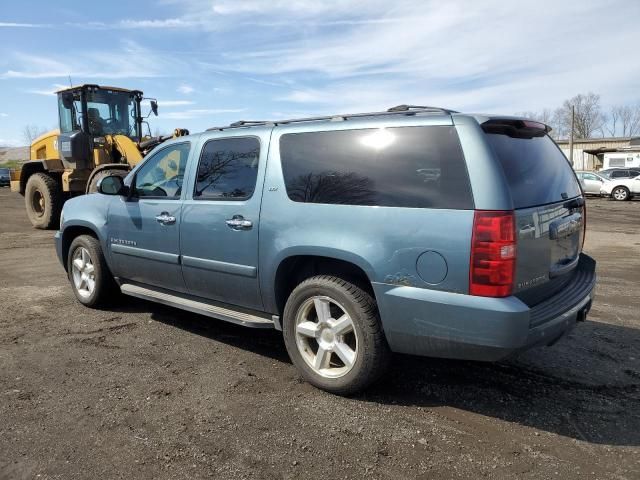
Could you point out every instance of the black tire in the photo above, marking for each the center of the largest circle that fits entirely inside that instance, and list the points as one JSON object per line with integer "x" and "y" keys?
{"x": 43, "y": 198}
{"x": 105, "y": 286}
{"x": 620, "y": 194}
{"x": 93, "y": 184}
{"x": 373, "y": 353}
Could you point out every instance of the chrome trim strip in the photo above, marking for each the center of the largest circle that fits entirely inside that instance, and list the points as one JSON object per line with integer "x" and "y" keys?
{"x": 147, "y": 254}
{"x": 217, "y": 266}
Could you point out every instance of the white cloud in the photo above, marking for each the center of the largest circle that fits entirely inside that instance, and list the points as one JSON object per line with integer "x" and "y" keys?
{"x": 47, "y": 91}
{"x": 23, "y": 25}
{"x": 185, "y": 89}
{"x": 468, "y": 55}
{"x": 4, "y": 114}
{"x": 200, "y": 112}
{"x": 107, "y": 64}
{"x": 171, "y": 103}
{"x": 174, "y": 103}
{"x": 303, "y": 8}
{"x": 157, "y": 23}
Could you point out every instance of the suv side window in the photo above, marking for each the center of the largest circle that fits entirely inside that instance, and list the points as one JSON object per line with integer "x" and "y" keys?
{"x": 619, "y": 174}
{"x": 228, "y": 169}
{"x": 419, "y": 167}
{"x": 162, "y": 175}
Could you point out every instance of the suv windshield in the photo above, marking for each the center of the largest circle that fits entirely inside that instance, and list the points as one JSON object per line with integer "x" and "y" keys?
{"x": 537, "y": 171}
{"x": 4, "y": 171}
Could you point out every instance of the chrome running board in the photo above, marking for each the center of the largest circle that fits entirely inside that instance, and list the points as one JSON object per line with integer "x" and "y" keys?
{"x": 198, "y": 306}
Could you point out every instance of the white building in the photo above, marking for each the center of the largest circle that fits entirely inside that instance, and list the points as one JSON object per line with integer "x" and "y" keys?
{"x": 589, "y": 153}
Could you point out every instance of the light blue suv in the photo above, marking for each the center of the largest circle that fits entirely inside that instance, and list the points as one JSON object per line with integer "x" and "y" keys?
{"x": 416, "y": 230}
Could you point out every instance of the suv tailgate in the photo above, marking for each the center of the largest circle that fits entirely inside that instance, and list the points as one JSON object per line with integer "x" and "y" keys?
{"x": 549, "y": 206}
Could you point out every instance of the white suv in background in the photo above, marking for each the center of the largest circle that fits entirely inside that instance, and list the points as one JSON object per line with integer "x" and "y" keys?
{"x": 621, "y": 188}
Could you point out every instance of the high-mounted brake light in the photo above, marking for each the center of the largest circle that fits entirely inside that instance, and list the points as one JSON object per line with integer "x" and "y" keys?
{"x": 534, "y": 125}
{"x": 493, "y": 254}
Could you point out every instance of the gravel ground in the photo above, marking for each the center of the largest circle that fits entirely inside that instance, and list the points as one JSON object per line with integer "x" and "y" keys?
{"x": 145, "y": 391}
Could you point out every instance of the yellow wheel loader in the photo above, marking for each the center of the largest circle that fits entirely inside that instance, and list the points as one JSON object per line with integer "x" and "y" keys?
{"x": 100, "y": 134}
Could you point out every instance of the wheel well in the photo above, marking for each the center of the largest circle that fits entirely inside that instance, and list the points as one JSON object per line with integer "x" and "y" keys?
{"x": 70, "y": 233}
{"x": 29, "y": 169}
{"x": 296, "y": 269}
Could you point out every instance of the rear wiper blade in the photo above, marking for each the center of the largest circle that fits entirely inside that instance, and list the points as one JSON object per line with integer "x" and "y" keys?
{"x": 574, "y": 203}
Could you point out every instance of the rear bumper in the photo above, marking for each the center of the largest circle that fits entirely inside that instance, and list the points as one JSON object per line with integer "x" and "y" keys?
{"x": 5, "y": 182}
{"x": 450, "y": 325}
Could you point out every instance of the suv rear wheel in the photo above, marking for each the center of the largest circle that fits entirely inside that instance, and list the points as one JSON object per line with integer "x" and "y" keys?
{"x": 88, "y": 272}
{"x": 333, "y": 334}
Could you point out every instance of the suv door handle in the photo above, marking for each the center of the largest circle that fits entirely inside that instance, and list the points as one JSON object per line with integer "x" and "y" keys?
{"x": 239, "y": 223}
{"x": 165, "y": 219}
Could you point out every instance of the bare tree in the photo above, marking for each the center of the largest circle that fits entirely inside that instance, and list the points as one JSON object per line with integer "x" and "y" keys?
{"x": 628, "y": 118}
{"x": 623, "y": 120}
{"x": 589, "y": 119}
{"x": 611, "y": 121}
{"x": 31, "y": 132}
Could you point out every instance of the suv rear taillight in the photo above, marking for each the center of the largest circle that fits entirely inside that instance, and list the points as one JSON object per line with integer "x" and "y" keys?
{"x": 493, "y": 253}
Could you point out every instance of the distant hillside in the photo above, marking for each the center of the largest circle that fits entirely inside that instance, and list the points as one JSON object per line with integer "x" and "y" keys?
{"x": 13, "y": 156}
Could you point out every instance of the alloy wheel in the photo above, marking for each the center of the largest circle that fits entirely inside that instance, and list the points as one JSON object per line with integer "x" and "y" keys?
{"x": 83, "y": 272}
{"x": 326, "y": 337}
{"x": 620, "y": 194}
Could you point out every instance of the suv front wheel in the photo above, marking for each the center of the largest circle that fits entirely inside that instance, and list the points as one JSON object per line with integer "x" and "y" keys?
{"x": 91, "y": 280}
{"x": 333, "y": 334}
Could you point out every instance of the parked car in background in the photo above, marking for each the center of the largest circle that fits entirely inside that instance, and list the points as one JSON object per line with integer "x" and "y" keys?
{"x": 5, "y": 177}
{"x": 621, "y": 188}
{"x": 418, "y": 230}
{"x": 591, "y": 182}
{"x": 619, "y": 172}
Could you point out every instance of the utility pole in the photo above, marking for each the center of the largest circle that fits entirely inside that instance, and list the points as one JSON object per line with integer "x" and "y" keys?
{"x": 573, "y": 119}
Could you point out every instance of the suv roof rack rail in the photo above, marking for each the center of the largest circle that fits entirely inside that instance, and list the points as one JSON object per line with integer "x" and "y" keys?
{"x": 421, "y": 108}
{"x": 397, "y": 110}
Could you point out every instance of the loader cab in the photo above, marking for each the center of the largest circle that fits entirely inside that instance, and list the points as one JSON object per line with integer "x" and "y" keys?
{"x": 88, "y": 113}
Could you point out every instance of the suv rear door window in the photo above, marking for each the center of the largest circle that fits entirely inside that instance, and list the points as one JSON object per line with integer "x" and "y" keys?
{"x": 421, "y": 167}
{"x": 537, "y": 171}
{"x": 228, "y": 169}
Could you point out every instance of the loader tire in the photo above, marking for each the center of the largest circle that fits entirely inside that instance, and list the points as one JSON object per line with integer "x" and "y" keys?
{"x": 93, "y": 185}
{"x": 43, "y": 199}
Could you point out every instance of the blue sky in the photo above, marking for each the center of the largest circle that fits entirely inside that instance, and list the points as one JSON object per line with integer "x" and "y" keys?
{"x": 210, "y": 62}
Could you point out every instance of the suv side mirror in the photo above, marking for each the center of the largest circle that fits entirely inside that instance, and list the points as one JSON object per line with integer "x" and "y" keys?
{"x": 112, "y": 185}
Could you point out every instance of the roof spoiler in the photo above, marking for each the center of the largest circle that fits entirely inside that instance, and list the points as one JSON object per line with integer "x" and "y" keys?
{"x": 516, "y": 128}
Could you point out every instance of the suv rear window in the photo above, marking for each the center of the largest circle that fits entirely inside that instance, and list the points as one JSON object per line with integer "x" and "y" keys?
{"x": 537, "y": 171}
{"x": 420, "y": 167}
